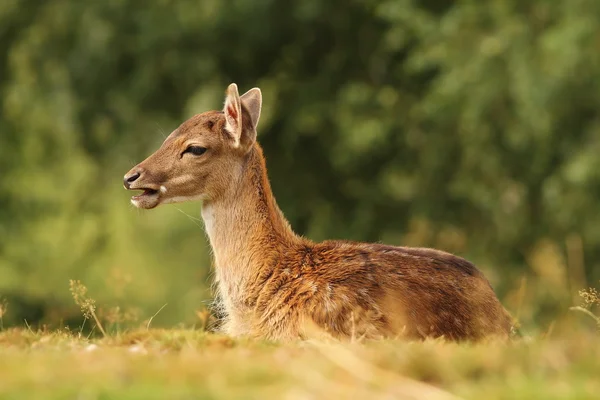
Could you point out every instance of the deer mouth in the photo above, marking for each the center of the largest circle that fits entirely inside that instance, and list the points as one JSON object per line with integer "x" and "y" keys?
{"x": 147, "y": 199}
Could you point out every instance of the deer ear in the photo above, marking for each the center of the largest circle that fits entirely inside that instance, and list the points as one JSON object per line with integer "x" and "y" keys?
{"x": 252, "y": 100}
{"x": 233, "y": 113}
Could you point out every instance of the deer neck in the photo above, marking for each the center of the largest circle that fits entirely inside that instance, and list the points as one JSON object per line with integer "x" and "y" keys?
{"x": 247, "y": 232}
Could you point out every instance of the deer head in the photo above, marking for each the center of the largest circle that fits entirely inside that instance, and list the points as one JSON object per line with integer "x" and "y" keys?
{"x": 201, "y": 158}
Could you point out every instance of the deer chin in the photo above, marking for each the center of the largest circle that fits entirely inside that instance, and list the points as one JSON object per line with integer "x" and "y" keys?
{"x": 148, "y": 199}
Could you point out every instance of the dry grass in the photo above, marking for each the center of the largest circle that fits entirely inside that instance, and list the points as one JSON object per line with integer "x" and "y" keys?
{"x": 561, "y": 363}
{"x": 591, "y": 301}
{"x": 178, "y": 364}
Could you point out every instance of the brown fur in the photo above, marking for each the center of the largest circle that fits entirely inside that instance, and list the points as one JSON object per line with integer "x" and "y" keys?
{"x": 276, "y": 284}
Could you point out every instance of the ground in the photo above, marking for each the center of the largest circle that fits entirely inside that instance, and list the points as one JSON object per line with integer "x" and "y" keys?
{"x": 184, "y": 364}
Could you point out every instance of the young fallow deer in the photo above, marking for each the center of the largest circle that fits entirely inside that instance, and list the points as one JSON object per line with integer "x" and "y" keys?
{"x": 273, "y": 283}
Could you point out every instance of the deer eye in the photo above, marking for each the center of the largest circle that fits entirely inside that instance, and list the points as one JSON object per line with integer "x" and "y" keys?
{"x": 195, "y": 150}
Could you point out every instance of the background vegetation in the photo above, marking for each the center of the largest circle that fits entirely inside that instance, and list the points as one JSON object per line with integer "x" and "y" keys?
{"x": 468, "y": 126}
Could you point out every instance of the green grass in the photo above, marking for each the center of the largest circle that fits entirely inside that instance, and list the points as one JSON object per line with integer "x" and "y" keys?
{"x": 184, "y": 364}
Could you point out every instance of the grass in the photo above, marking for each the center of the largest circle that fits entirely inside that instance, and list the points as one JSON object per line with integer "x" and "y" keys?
{"x": 184, "y": 364}
{"x": 148, "y": 363}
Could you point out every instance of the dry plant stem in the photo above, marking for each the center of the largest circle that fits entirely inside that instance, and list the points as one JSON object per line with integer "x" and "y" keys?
{"x": 79, "y": 293}
{"x": 2, "y": 312}
{"x": 362, "y": 370}
{"x": 588, "y": 312}
{"x": 3, "y": 308}
{"x": 155, "y": 314}
{"x": 98, "y": 324}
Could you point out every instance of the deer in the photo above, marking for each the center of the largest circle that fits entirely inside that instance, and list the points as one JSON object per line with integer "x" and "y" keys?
{"x": 274, "y": 284}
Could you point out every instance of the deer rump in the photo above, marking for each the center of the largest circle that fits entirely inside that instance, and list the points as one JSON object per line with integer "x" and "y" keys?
{"x": 348, "y": 289}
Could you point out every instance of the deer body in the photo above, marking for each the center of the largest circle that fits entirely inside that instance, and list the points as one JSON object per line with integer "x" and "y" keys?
{"x": 275, "y": 284}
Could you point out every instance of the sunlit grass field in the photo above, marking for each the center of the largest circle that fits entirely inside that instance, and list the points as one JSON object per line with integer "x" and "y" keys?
{"x": 193, "y": 364}
{"x": 107, "y": 360}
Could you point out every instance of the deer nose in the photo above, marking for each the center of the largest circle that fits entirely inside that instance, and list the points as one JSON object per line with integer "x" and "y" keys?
{"x": 129, "y": 178}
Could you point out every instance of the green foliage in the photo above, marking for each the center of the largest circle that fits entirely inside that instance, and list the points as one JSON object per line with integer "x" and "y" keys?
{"x": 468, "y": 126}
